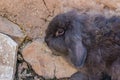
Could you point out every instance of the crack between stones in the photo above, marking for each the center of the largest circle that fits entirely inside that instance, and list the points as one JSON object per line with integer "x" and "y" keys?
{"x": 29, "y": 67}
{"x": 51, "y": 13}
{"x": 21, "y": 46}
{"x": 46, "y": 6}
{"x": 6, "y": 17}
{"x": 55, "y": 70}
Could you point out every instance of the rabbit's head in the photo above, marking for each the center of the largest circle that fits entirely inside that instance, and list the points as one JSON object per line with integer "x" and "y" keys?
{"x": 64, "y": 35}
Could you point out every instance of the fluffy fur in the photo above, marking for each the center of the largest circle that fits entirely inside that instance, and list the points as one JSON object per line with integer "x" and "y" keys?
{"x": 91, "y": 42}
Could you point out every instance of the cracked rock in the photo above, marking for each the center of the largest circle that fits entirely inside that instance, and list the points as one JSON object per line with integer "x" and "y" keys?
{"x": 31, "y": 15}
{"x": 44, "y": 63}
{"x": 8, "y": 52}
{"x": 11, "y": 29}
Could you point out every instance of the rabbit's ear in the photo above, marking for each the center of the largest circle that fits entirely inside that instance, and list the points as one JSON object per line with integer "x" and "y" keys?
{"x": 73, "y": 40}
{"x": 77, "y": 53}
{"x": 76, "y": 49}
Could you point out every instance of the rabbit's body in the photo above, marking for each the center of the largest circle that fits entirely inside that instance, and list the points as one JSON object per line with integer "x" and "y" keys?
{"x": 92, "y": 43}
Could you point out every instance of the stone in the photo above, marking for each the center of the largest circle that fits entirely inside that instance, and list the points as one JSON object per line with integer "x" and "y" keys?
{"x": 8, "y": 57}
{"x": 31, "y": 15}
{"x": 112, "y": 4}
{"x": 11, "y": 29}
{"x": 45, "y": 63}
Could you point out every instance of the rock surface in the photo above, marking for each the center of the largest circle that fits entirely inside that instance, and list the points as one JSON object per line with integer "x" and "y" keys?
{"x": 11, "y": 29}
{"x": 44, "y": 63}
{"x": 8, "y": 57}
{"x": 33, "y": 16}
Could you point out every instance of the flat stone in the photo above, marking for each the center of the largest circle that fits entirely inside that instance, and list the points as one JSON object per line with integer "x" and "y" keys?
{"x": 11, "y": 29}
{"x": 45, "y": 63}
{"x": 8, "y": 50}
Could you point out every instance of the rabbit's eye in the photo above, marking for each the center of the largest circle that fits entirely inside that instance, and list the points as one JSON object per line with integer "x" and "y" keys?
{"x": 59, "y": 32}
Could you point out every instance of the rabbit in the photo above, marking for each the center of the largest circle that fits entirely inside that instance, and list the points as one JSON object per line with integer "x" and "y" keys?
{"x": 90, "y": 43}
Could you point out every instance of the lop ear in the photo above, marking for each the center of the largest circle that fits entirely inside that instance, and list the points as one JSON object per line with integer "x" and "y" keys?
{"x": 76, "y": 49}
{"x": 77, "y": 53}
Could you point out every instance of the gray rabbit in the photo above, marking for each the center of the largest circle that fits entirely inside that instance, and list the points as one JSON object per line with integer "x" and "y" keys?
{"x": 91, "y": 43}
